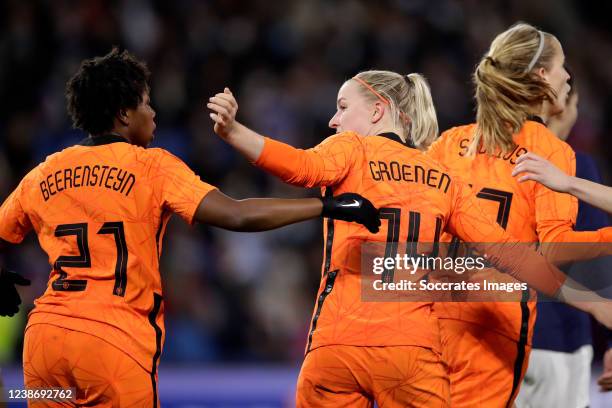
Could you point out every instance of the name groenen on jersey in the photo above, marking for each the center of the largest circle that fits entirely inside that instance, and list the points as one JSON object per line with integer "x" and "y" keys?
{"x": 395, "y": 171}
{"x": 112, "y": 178}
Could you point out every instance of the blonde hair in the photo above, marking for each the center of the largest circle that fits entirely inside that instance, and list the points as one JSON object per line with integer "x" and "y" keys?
{"x": 507, "y": 87}
{"x": 409, "y": 100}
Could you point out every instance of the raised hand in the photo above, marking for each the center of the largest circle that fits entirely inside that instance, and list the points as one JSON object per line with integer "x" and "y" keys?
{"x": 541, "y": 170}
{"x": 224, "y": 108}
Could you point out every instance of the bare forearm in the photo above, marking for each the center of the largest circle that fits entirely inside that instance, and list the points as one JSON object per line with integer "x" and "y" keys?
{"x": 295, "y": 166}
{"x": 223, "y": 108}
{"x": 597, "y": 195}
{"x": 247, "y": 142}
{"x": 262, "y": 214}
{"x": 255, "y": 214}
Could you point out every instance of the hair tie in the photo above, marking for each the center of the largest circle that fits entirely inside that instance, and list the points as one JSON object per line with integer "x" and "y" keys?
{"x": 536, "y": 56}
{"x": 491, "y": 60}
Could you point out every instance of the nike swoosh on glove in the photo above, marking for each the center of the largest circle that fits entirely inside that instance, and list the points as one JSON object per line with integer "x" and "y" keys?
{"x": 9, "y": 297}
{"x": 352, "y": 207}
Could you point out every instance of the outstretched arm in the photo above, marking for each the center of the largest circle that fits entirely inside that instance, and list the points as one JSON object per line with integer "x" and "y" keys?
{"x": 262, "y": 214}
{"x": 541, "y": 170}
{"x": 324, "y": 165}
{"x": 519, "y": 259}
{"x": 555, "y": 213}
{"x": 255, "y": 214}
{"x": 182, "y": 192}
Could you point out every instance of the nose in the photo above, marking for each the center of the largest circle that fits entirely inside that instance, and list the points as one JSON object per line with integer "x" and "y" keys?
{"x": 333, "y": 122}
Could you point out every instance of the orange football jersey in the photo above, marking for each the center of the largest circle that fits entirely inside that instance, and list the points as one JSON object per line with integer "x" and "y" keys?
{"x": 418, "y": 200}
{"x": 528, "y": 211}
{"x": 100, "y": 210}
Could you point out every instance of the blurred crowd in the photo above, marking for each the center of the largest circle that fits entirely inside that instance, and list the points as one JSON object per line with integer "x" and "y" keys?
{"x": 249, "y": 297}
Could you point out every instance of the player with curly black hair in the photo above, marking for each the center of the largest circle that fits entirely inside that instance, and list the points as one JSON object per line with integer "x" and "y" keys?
{"x": 100, "y": 210}
{"x": 105, "y": 86}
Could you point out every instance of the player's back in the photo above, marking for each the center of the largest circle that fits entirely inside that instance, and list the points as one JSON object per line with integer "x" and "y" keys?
{"x": 527, "y": 211}
{"x": 513, "y": 204}
{"x": 99, "y": 211}
{"x": 414, "y": 195}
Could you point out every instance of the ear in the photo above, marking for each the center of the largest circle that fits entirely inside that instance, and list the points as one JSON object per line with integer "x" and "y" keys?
{"x": 378, "y": 112}
{"x": 541, "y": 72}
{"x": 123, "y": 117}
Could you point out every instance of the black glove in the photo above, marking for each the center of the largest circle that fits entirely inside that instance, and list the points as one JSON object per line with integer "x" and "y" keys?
{"x": 9, "y": 297}
{"x": 352, "y": 207}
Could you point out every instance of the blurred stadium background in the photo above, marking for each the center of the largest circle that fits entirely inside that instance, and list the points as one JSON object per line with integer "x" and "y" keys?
{"x": 238, "y": 305}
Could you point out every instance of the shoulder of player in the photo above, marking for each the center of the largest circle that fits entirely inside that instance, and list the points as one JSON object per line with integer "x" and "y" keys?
{"x": 343, "y": 140}
{"x": 537, "y": 138}
{"x": 532, "y": 132}
{"x": 448, "y": 143}
{"x": 156, "y": 154}
{"x": 348, "y": 136}
{"x": 39, "y": 172}
{"x": 423, "y": 159}
{"x": 50, "y": 161}
{"x": 156, "y": 158}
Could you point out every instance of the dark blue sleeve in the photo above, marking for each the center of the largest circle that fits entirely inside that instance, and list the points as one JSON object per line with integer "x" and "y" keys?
{"x": 590, "y": 218}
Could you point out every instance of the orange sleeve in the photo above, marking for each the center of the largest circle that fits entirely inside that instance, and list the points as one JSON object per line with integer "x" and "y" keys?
{"x": 14, "y": 222}
{"x": 507, "y": 254}
{"x": 556, "y": 212}
{"x": 180, "y": 189}
{"x": 324, "y": 165}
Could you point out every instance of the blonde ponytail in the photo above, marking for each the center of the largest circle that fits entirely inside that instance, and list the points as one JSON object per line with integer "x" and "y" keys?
{"x": 507, "y": 89}
{"x": 410, "y": 102}
{"x": 420, "y": 109}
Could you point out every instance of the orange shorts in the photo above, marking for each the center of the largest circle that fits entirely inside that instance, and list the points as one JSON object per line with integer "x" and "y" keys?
{"x": 353, "y": 376}
{"x": 486, "y": 368}
{"x": 101, "y": 374}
